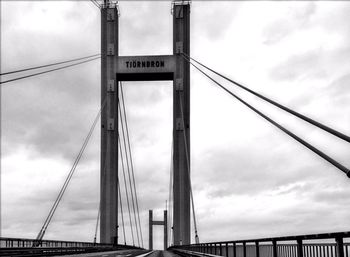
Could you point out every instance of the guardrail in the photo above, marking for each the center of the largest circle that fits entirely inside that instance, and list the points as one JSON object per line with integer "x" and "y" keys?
{"x": 32, "y": 247}
{"x": 316, "y": 245}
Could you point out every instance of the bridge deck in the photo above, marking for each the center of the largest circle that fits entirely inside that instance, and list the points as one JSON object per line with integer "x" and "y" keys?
{"x": 127, "y": 253}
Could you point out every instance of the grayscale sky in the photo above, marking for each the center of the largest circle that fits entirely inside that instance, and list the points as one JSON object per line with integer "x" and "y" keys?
{"x": 250, "y": 180}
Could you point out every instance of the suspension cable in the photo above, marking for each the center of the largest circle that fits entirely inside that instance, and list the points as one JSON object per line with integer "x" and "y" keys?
{"x": 48, "y": 65}
{"x": 170, "y": 194}
{"x": 99, "y": 206}
{"x": 128, "y": 170}
{"x": 131, "y": 160}
{"x": 70, "y": 174}
{"x": 188, "y": 172}
{"x": 290, "y": 111}
{"x": 126, "y": 189}
{"x": 43, "y": 72}
{"x": 97, "y": 222}
{"x": 121, "y": 212}
{"x": 96, "y": 4}
{"x": 303, "y": 142}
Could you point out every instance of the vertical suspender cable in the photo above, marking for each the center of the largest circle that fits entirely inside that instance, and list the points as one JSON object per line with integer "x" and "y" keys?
{"x": 188, "y": 173}
{"x": 130, "y": 180}
{"x": 170, "y": 230}
{"x": 97, "y": 221}
{"x": 131, "y": 160}
{"x": 126, "y": 189}
{"x": 121, "y": 212}
{"x": 99, "y": 206}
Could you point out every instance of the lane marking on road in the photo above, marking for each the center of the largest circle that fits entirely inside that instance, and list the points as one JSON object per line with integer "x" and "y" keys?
{"x": 145, "y": 254}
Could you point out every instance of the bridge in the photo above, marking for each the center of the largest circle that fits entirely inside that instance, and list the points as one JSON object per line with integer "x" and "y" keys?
{"x": 119, "y": 213}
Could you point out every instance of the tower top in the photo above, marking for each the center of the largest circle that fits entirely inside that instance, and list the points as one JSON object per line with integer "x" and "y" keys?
{"x": 179, "y": 2}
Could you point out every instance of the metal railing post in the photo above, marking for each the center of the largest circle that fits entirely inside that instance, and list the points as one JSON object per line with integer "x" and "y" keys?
{"x": 274, "y": 248}
{"x": 339, "y": 247}
{"x": 226, "y": 250}
{"x": 244, "y": 250}
{"x": 257, "y": 253}
{"x": 300, "y": 247}
{"x": 234, "y": 249}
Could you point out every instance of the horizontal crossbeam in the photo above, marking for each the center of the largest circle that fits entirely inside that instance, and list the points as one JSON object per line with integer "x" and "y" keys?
{"x": 146, "y": 68}
{"x": 158, "y": 223}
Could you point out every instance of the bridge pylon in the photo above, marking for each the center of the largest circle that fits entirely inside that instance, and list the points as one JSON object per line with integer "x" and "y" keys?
{"x": 181, "y": 131}
{"x": 109, "y": 125}
{"x": 115, "y": 69}
{"x": 158, "y": 223}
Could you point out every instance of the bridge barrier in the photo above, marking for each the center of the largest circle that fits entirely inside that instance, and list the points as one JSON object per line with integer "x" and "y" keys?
{"x": 33, "y": 247}
{"x": 315, "y": 245}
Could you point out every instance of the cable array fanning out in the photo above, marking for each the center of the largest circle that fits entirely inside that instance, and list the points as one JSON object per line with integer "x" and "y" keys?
{"x": 96, "y": 4}
{"x": 121, "y": 212}
{"x": 129, "y": 165}
{"x": 85, "y": 60}
{"x": 282, "y": 107}
{"x": 131, "y": 161}
{"x": 189, "y": 175}
{"x": 126, "y": 189}
{"x": 294, "y": 136}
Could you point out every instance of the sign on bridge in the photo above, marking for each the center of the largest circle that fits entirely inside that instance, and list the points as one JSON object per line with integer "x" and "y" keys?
{"x": 153, "y": 67}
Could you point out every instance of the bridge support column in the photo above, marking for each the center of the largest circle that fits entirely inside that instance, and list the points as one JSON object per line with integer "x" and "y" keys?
{"x": 109, "y": 126}
{"x": 161, "y": 223}
{"x": 150, "y": 230}
{"x": 181, "y": 101}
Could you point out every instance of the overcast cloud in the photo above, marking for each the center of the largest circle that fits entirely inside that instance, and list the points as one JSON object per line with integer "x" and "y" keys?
{"x": 249, "y": 179}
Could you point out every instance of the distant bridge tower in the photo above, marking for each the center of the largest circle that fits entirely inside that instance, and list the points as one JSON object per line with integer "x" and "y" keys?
{"x": 116, "y": 68}
{"x": 152, "y": 223}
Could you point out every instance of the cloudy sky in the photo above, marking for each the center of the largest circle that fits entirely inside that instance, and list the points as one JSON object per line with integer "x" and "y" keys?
{"x": 249, "y": 179}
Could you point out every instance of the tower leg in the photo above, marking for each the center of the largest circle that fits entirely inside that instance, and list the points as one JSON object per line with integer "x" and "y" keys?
{"x": 109, "y": 127}
{"x": 150, "y": 235}
{"x": 165, "y": 230}
{"x": 181, "y": 44}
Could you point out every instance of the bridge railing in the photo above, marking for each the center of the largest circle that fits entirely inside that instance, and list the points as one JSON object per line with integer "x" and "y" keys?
{"x": 33, "y": 247}
{"x": 25, "y": 242}
{"x": 316, "y": 245}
